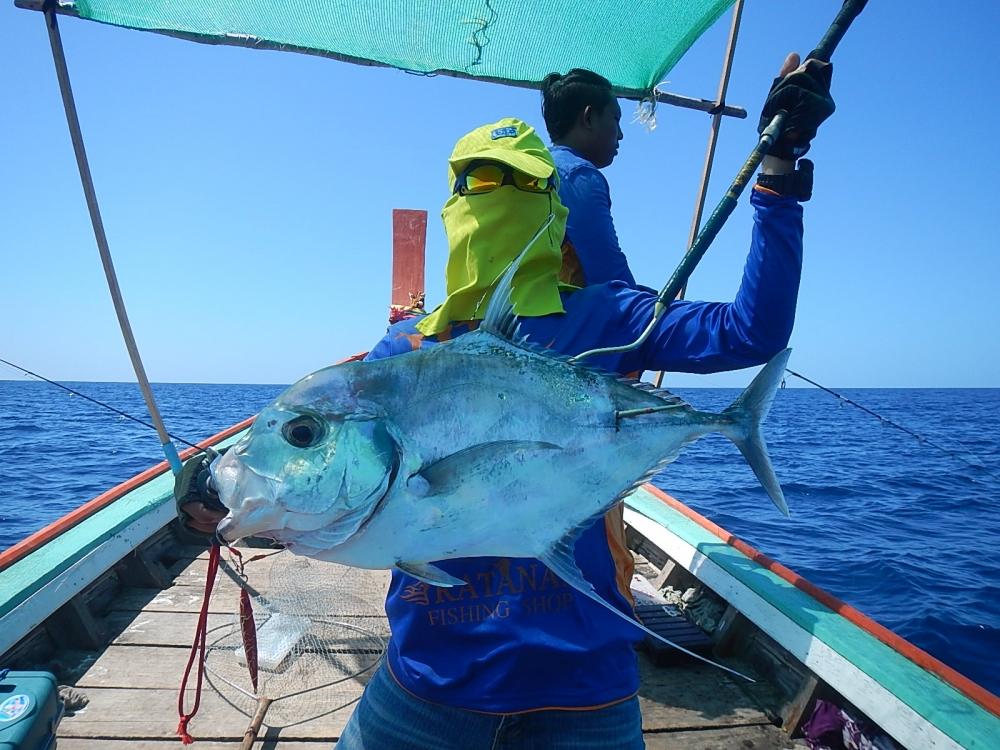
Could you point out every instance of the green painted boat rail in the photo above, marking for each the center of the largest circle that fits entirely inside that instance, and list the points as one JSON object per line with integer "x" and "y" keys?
{"x": 949, "y": 707}
{"x": 30, "y": 574}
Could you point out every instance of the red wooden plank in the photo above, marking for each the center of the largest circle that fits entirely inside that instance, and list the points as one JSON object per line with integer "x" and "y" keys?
{"x": 409, "y": 238}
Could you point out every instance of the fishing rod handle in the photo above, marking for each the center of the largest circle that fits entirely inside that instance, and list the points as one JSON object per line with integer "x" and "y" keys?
{"x": 722, "y": 211}
{"x": 848, "y": 12}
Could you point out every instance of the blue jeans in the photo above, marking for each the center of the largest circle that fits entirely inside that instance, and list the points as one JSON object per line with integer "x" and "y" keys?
{"x": 389, "y": 718}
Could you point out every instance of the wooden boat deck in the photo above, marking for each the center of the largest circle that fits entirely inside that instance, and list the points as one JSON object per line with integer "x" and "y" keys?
{"x": 132, "y": 684}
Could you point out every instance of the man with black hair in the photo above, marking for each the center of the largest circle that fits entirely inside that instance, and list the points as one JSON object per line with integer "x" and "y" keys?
{"x": 583, "y": 118}
{"x": 516, "y": 660}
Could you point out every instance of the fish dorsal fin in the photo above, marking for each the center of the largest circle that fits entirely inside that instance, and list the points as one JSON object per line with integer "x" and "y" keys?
{"x": 670, "y": 400}
{"x": 499, "y": 318}
{"x": 652, "y": 390}
{"x": 445, "y": 475}
{"x": 561, "y": 561}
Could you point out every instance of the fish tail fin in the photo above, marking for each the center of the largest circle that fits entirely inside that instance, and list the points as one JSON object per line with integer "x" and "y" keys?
{"x": 742, "y": 421}
{"x": 560, "y": 560}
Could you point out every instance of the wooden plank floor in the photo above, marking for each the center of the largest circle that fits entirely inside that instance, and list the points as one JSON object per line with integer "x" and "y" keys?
{"x": 133, "y": 684}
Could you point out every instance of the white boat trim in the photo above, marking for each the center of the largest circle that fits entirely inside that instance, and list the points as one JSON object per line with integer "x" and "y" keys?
{"x": 43, "y": 603}
{"x": 896, "y": 718}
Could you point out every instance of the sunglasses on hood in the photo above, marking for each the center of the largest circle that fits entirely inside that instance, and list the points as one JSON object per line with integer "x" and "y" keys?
{"x": 481, "y": 176}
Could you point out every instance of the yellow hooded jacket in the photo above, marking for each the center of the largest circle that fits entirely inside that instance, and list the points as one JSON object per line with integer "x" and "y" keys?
{"x": 487, "y": 232}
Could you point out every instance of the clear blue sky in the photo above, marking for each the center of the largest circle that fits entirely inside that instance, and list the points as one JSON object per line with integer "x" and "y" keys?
{"x": 247, "y": 196}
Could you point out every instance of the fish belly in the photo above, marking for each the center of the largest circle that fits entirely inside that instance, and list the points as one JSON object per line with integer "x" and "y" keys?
{"x": 522, "y": 508}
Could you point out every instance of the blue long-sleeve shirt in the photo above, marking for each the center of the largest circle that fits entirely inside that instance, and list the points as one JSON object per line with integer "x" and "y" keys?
{"x": 517, "y": 638}
{"x": 693, "y": 336}
{"x": 590, "y": 228}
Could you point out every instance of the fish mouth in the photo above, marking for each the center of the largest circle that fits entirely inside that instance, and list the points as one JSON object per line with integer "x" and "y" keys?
{"x": 255, "y": 517}
{"x": 249, "y": 496}
{"x": 256, "y": 508}
{"x": 226, "y": 534}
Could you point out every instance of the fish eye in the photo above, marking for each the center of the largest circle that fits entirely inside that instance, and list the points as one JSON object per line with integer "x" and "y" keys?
{"x": 303, "y": 432}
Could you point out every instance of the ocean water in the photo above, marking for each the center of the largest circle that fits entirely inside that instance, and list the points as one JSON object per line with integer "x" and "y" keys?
{"x": 892, "y": 526}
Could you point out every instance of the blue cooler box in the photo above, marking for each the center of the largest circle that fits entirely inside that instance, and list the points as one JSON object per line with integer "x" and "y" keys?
{"x": 30, "y": 710}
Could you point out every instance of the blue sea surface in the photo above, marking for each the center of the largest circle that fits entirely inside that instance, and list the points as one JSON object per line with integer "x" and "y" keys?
{"x": 889, "y": 524}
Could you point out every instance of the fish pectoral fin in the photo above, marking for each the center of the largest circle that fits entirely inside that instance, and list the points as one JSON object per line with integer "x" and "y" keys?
{"x": 444, "y": 475}
{"x": 561, "y": 561}
{"x": 431, "y": 574}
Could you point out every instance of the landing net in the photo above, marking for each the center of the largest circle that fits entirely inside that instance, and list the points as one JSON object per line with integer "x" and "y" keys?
{"x": 320, "y": 631}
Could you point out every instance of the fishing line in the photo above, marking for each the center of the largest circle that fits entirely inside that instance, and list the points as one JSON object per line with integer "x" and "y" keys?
{"x": 240, "y": 581}
{"x": 978, "y": 463}
{"x": 101, "y": 403}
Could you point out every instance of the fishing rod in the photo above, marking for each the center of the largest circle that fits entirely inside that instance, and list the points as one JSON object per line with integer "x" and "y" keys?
{"x": 102, "y": 404}
{"x": 848, "y": 12}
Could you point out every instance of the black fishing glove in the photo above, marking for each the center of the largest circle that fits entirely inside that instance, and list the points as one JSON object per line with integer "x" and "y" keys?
{"x": 198, "y": 506}
{"x": 805, "y": 95}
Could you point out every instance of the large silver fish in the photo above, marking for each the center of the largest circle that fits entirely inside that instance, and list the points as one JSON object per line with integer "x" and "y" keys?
{"x": 479, "y": 446}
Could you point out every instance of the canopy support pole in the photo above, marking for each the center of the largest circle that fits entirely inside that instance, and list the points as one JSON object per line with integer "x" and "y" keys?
{"x": 713, "y": 138}
{"x": 73, "y": 121}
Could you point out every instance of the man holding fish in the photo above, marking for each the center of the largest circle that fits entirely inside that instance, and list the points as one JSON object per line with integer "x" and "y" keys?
{"x": 486, "y": 469}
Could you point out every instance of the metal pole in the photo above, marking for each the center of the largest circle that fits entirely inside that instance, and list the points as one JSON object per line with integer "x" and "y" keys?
{"x": 102, "y": 241}
{"x": 713, "y": 138}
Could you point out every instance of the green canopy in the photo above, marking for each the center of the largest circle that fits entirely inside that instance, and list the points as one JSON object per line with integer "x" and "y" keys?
{"x": 632, "y": 43}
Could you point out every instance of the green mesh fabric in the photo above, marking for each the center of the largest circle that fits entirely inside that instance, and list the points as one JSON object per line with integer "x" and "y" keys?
{"x": 633, "y": 43}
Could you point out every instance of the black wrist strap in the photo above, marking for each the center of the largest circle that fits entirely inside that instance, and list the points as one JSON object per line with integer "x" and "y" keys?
{"x": 797, "y": 184}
